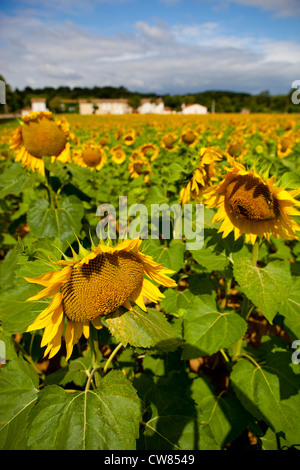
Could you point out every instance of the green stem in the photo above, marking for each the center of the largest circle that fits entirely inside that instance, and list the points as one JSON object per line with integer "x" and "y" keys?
{"x": 51, "y": 193}
{"x": 245, "y": 313}
{"x": 255, "y": 251}
{"x": 111, "y": 357}
{"x": 93, "y": 342}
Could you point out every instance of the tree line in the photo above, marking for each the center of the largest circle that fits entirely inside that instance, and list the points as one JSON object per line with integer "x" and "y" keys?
{"x": 214, "y": 100}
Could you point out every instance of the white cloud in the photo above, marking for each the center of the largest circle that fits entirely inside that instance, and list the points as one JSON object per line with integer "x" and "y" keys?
{"x": 282, "y": 8}
{"x": 153, "y": 58}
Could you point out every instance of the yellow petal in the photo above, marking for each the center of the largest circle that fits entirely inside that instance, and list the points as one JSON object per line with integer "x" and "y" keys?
{"x": 137, "y": 297}
{"x": 48, "y": 279}
{"x": 44, "y": 317}
{"x": 48, "y": 292}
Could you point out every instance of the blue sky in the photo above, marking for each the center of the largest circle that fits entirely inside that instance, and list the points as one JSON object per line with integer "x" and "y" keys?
{"x": 161, "y": 46}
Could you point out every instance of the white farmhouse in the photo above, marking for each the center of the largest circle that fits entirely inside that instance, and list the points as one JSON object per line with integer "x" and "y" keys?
{"x": 151, "y": 106}
{"x": 194, "y": 109}
{"x": 104, "y": 106}
{"x": 38, "y": 104}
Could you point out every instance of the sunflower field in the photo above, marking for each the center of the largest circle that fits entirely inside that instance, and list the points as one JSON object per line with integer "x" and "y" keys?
{"x": 143, "y": 343}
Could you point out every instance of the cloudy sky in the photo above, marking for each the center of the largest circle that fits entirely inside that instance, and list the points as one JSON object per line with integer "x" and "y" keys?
{"x": 161, "y": 46}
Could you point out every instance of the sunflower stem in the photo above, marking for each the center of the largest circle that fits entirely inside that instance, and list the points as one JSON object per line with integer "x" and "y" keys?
{"x": 51, "y": 193}
{"x": 94, "y": 345}
{"x": 255, "y": 251}
{"x": 111, "y": 357}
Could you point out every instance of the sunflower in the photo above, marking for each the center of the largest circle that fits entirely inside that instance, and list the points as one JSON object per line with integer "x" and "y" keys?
{"x": 247, "y": 203}
{"x": 140, "y": 166}
{"x": 237, "y": 149}
{"x": 129, "y": 137}
{"x": 202, "y": 176}
{"x": 168, "y": 141}
{"x": 149, "y": 150}
{"x": 90, "y": 156}
{"x": 285, "y": 146}
{"x": 189, "y": 137}
{"x": 118, "y": 154}
{"x": 92, "y": 284}
{"x": 41, "y": 135}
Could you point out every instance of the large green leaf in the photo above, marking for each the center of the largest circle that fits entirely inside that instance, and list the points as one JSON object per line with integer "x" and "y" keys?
{"x": 60, "y": 222}
{"x": 14, "y": 180}
{"x": 206, "y": 330}
{"x": 18, "y": 394}
{"x": 176, "y": 301}
{"x": 16, "y": 313}
{"x": 225, "y": 415}
{"x": 270, "y": 391}
{"x": 170, "y": 256}
{"x": 213, "y": 255}
{"x": 172, "y": 421}
{"x": 266, "y": 287}
{"x": 290, "y": 309}
{"x": 106, "y": 418}
{"x": 143, "y": 329}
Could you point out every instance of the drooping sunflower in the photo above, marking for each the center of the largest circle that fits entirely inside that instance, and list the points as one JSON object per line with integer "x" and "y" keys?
{"x": 92, "y": 284}
{"x": 140, "y": 166}
{"x": 41, "y": 135}
{"x": 285, "y": 146}
{"x": 202, "y": 176}
{"x": 118, "y": 154}
{"x": 129, "y": 137}
{"x": 149, "y": 150}
{"x": 249, "y": 204}
{"x": 168, "y": 141}
{"x": 90, "y": 156}
{"x": 189, "y": 137}
{"x": 237, "y": 148}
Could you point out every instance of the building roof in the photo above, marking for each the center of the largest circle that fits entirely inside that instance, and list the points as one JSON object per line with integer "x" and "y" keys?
{"x": 34, "y": 100}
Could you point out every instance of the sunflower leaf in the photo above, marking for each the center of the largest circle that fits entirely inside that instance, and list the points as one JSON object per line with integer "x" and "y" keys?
{"x": 89, "y": 420}
{"x": 143, "y": 329}
{"x": 266, "y": 287}
{"x": 290, "y": 309}
{"x": 170, "y": 256}
{"x": 224, "y": 414}
{"x": 270, "y": 391}
{"x": 18, "y": 394}
{"x": 60, "y": 222}
{"x": 174, "y": 422}
{"x": 206, "y": 330}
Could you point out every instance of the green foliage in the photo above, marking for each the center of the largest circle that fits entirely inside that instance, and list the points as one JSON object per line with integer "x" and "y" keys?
{"x": 209, "y": 366}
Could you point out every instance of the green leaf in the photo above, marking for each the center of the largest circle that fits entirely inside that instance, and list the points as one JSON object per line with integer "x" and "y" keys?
{"x": 270, "y": 391}
{"x": 60, "y": 222}
{"x": 15, "y": 313}
{"x": 176, "y": 301}
{"x": 290, "y": 180}
{"x": 212, "y": 256}
{"x": 142, "y": 329}
{"x": 225, "y": 415}
{"x": 14, "y": 180}
{"x": 206, "y": 330}
{"x": 290, "y": 309}
{"x": 76, "y": 371}
{"x": 172, "y": 422}
{"x": 106, "y": 418}
{"x": 170, "y": 256}
{"x": 266, "y": 287}
{"x": 18, "y": 394}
